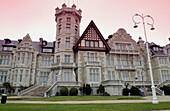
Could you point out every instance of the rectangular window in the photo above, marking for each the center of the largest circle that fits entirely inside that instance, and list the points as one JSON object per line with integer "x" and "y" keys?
{"x": 92, "y": 57}
{"x": 67, "y": 59}
{"x": 90, "y": 74}
{"x": 113, "y": 75}
{"x": 91, "y": 44}
{"x": 66, "y": 76}
{"x": 68, "y": 19}
{"x": 76, "y": 30}
{"x": 60, "y": 20}
{"x": 68, "y": 29}
{"x": 109, "y": 76}
{"x": 28, "y": 58}
{"x": 16, "y": 75}
{"x": 21, "y": 76}
{"x": 96, "y": 44}
{"x": 23, "y": 58}
{"x": 44, "y": 77}
{"x": 94, "y": 74}
{"x": 76, "y": 21}
{"x": 108, "y": 59}
{"x": 26, "y": 76}
{"x": 162, "y": 61}
{"x": 68, "y": 42}
{"x": 87, "y": 43}
{"x": 58, "y": 59}
{"x": 59, "y": 29}
{"x": 59, "y": 41}
{"x": 47, "y": 50}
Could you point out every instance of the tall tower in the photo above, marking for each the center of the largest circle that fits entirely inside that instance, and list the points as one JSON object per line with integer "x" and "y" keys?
{"x": 67, "y": 34}
{"x": 68, "y": 27}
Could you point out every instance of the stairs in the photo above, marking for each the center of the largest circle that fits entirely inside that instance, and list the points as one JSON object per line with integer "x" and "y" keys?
{"x": 39, "y": 91}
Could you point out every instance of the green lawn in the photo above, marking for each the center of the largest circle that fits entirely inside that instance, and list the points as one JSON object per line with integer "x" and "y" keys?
{"x": 85, "y": 107}
{"x": 78, "y": 98}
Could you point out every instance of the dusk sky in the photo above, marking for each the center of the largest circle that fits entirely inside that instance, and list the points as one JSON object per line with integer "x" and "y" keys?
{"x": 36, "y": 17}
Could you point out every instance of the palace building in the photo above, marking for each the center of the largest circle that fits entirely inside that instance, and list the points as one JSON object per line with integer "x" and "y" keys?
{"x": 73, "y": 60}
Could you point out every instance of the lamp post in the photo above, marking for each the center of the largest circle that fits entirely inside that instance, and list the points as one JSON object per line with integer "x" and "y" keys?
{"x": 154, "y": 100}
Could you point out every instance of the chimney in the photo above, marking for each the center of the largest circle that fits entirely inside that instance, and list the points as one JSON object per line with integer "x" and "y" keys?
{"x": 19, "y": 40}
{"x": 41, "y": 41}
{"x": 7, "y": 41}
{"x": 64, "y": 6}
{"x": 54, "y": 44}
{"x": 74, "y": 7}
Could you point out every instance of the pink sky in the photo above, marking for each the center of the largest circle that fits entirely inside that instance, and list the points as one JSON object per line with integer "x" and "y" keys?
{"x": 36, "y": 17}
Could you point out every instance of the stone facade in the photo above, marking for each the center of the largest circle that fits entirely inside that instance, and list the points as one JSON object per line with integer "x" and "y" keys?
{"x": 73, "y": 60}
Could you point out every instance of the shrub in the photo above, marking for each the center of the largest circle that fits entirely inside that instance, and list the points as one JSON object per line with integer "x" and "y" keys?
{"x": 88, "y": 89}
{"x": 57, "y": 93}
{"x": 73, "y": 91}
{"x": 101, "y": 89}
{"x": 106, "y": 94}
{"x": 126, "y": 91}
{"x": 166, "y": 89}
{"x": 135, "y": 91}
{"x": 64, "y": 91}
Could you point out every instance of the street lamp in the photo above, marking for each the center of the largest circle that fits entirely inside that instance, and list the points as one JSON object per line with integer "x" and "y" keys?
{"x": 154, "y": 100}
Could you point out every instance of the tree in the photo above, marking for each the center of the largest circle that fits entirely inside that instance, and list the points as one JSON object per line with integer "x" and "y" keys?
{"x": 84, "y": 89}
{"x": 88, "y": 89}
{"x": 101, "y": 89}
{"x": 7, "y": 86}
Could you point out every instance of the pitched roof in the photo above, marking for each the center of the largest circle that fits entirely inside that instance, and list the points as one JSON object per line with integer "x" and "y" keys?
{"x": 27, "y": 38}
{"x": 92, "y": 24}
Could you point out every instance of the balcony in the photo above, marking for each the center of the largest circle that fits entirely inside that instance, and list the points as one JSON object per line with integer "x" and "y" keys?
{"x": 126, "y": 67}
{"x": 93, "y": 63}
{"x": 135, "y": 52}
{"x": 63, "y": 65}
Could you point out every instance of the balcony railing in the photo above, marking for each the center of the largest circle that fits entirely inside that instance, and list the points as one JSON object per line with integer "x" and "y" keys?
{"x": 125, "y": 67}
{"x": 93, "y": 63}
{"x": 125, "y": 51}
{"x": 63, "y": 65}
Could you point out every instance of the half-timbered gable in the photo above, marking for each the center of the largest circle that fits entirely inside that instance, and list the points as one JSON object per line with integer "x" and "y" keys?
{"x": 92, "y": 39}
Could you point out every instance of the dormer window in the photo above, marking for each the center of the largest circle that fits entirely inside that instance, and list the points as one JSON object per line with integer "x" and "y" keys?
{"x": 7, "y": 48}
{"x": 48, "y": 50}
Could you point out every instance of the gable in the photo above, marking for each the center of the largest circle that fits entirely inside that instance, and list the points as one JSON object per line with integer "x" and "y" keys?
{"x": 92, "y": 39}
{"x": 26, "y": 42}
{"x": 121, "y": 40}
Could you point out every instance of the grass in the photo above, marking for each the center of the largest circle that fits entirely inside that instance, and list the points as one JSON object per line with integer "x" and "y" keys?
{"x": 85, "y": 107}
{"x": 77, "y": 98}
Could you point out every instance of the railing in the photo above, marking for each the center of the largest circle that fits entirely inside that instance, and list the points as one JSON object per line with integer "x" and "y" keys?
{"x": 163, "y": 83}
{"x": 93, "y": 63}
{"x": 125, "y": 67}
{"x": 62, "y": 64}
{"x": 29, "y": 89}
{"x": 113, "y": 82}
{"x": 51, "y": 87}
{"x": 125, "y": 51}
{"x": 159, "y": 91}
